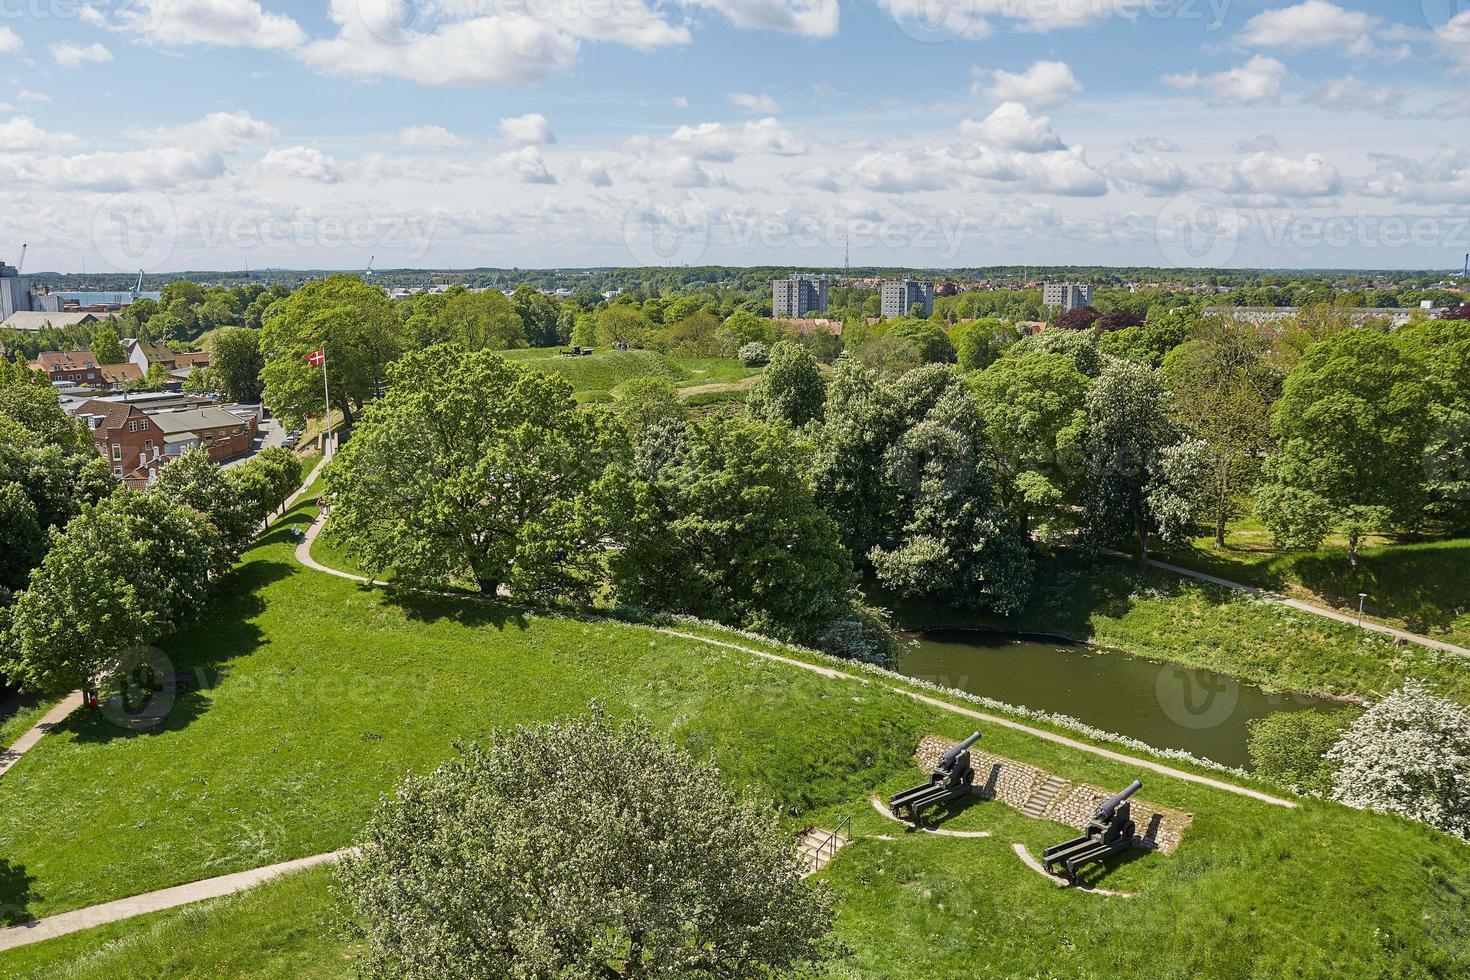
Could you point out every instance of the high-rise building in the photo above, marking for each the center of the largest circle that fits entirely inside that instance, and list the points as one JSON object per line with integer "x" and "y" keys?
{"x": 1067, "y": 295}
{"x": 16, "y": 294}
{"x": 798, "y": 296}
{"x": 901, "y": 295}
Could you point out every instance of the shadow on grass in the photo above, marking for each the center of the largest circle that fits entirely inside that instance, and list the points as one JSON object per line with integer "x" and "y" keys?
{"x": 466, "y": 610}
{"x": 938, "y": 815}
{"x": 16, "y": 894}
{"x": 224, "y": 632}
{"x": 1096, "y": 875}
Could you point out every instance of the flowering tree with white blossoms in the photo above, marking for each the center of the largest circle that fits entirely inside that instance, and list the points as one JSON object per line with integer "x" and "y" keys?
{"x": 1409, "y": 754}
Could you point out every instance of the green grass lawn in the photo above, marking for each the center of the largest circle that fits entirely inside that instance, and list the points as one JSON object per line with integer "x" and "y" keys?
{"x": 27, "y": 711}
{"x": 1423, "y": 587}
{"x": 1154, "y": 613}
{"x": 595, "y": 377}
{"x": 324, "y": 693}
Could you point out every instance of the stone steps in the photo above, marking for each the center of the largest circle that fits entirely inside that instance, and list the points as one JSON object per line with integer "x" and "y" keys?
{"x": 1043, "y": 796}
{"x": 817, "y": 848}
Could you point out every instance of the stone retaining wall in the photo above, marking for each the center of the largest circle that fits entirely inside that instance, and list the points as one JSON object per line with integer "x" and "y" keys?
{"x": 1014, "y": 783}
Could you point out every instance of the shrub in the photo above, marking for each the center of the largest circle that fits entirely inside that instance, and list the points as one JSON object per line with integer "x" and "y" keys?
{"x": 580, "y": 850}
{"x": 1409, "y": 754}
{"x": 754, "y": 354}
{"x": 1290, "y": 747}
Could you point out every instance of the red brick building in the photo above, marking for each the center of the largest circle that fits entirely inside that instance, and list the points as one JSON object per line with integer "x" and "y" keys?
{"x": 125, "y": 436}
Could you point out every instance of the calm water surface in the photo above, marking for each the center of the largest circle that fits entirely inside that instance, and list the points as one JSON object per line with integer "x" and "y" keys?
{"x": 1163, "y": 704}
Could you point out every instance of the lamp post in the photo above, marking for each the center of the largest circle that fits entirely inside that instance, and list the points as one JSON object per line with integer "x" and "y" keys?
{"x": 1361, "y": 597}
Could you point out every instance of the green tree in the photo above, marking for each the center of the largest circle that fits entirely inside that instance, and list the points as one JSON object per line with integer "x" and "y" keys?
{"x": 976, "y": 343}
{"x": 356, "y": 326}
{"x": 640, "y": 865}
{"x": 728, "y": 529}
{"x": 266, "y": 480}
{"x": 944, "y": 534}
{"x": 1143, "y": 476}
{"x": 790, "y": 389}
{"x": 645, "y": 401}
{"x": 622, "y": 323}
{"x": 472, "y": 468}
{"x": 235, "y": 363}
{"x": 1442, "y": 348}
{"x": 1351, "y": 427}
{"x": 106, "y": 346}
{"x": 743, "y": 327}
{"x": 125, "y": 571}
{"x": 1223, "y": 384}
{"x": 859, "y": 421}
{"x": 483, "y": 320}
{"x": 196, "y": 481}
{"x": 928, "y": 339}
{"x": 1079, "y": 345}
{"x": 1032, "y": 411}
{"x": 540, "y": 316}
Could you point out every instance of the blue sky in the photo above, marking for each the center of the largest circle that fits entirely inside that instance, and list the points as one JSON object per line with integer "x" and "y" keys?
{"x": 170, "y": 134}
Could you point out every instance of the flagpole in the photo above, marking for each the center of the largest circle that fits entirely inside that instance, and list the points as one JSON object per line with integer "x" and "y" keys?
{"x": 327, "y": 398}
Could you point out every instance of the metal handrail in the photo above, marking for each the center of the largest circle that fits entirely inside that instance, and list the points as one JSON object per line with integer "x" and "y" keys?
{"x": 832, "y": 838}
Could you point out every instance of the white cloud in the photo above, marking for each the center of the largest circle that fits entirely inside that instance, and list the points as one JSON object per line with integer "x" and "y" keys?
{"x": 930, "y": 21}
{"x": 1320, "y": 24}
{"x": 1441, "y": 178}
{"x": 1044, "y": 84}
{"x": 812, "y": 18}
{"x": 1268, "y": 178}
{"x": 680, "y": 102}
{"x": 428, "y": 138}
{"x": 69, "y": 55}
{"x": 1352, "y": 93}
{"x": 762, "y": 105}
{"x": 305, "y": 162}
{"x": 1256, "y": 81}
{"x": 1064, "y": 171}
{"x": 376, "y": 167}
{"x": 26, "y": 95}
{"x": 530, "y": 128}
{"x": 1012, "y": 127}
{"x": 1149, "y": 173}
{"x": 220, "y": 131}
{"x": 592, "y": 171}
{"x": 718, "y": 142}
{"x": 21, "y": 133}
{"x": 10, "y": 41}
{"x": 152, "y": 169}
{"x": 517, "y": 43}
{"x": 815, "y": 178}
{"x": 223, "y": 23}
{"x": 526, "y": 165}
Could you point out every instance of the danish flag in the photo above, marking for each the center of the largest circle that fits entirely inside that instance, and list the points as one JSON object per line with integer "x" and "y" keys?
{"x": 317, "y": 358}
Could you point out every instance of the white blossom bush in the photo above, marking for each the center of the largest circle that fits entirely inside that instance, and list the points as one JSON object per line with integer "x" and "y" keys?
{"x": 1409, "y": 754}
{"x": 754, "y": 354}
{"x": 578, "y": 850}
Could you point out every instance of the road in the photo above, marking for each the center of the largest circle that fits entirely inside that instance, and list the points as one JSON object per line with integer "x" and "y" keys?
{"x": 271, "y": 433}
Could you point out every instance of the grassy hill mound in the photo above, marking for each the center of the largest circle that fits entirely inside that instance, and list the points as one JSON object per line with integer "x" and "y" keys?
{"x": 323, "y": 693}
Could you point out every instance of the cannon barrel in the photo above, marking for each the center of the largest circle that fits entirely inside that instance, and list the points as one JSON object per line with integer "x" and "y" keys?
{"x": 1110, "y": 805}
{"x": 948, "y": 759}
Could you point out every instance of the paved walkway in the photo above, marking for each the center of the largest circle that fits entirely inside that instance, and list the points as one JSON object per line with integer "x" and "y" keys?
{"x": 1350, "y": 619}
{"x": 166, "y": 898}
{"x": 49, "y": 720}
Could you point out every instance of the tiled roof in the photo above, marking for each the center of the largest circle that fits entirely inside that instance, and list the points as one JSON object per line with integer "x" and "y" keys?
{"x": 65, "y": 360}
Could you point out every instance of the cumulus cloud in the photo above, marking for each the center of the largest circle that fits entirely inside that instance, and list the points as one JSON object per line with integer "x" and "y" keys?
{"x": 517, "y": 43}
{"x": 1256, "y": 81}
{"x": 761, "y": 105}
{"x": 719, "y": 142}
{"x": 1148, "y": 173}
{"x": 526, "y": 165}
{"x": 815, "y": 178}
{"x": 152, "y": 169}
{"x": 592, "y": 171}
{"x": 220, "y": 131}
{"x": 530, "y": 128}
{"x": 10, "y": 41}
{"x": 1012, "y": 127}
{"x": 428, "y": 138}
{"x": 305, "y": 162}
{"x": 1320, "y": 24}
{"x": 1441, "y": 178}
{"x": 1064, "y": 171}
{"x": 1265, "y": 142}
{"x": 21, "y": 133}
{"x": 223, "y": 23}
{"x": 1267, "y": 178}
{"x": 1044, "y": 84}
{"x": 1154, "y": 144}
{"x": 69, "y": 55}
{"x": 812, "y": 18}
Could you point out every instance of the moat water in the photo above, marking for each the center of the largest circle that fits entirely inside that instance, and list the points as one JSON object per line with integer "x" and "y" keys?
{"x": 1165, "y": 705}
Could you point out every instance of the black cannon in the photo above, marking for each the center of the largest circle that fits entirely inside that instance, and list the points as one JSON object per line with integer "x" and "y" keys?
{"x": 1111, "y": 831}
{"x": 951, "y": 779}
